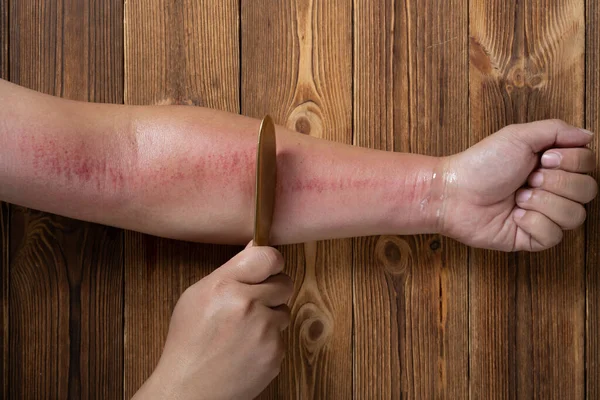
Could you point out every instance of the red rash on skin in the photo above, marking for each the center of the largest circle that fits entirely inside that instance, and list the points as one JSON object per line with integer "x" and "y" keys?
{"x": 320, "y": 185}
{"x": 204, "y": 169}
{"x": 71, "y": 164}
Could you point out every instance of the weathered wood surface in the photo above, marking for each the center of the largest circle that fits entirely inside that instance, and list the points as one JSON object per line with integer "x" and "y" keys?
{"x": 85, "y": 308}
{"x": 175, "y": 53}
{"x": 65, "y": 277}
{"x": 410, "y": 303}
{"x": 306, "y": 84}
{"x": 527, "y": 312}
{"x": 4, "y": 225}
{"x": 592, "y": 277}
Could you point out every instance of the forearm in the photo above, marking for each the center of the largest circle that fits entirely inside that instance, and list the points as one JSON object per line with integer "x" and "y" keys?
{"x": 201, "y": 181}
{"x": 188, "y": 173}
{"x": 62, "y": 156}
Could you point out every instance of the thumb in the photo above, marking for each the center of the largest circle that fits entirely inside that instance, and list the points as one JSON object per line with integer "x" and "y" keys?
{"x": 542, "y": 135}
{"x": 253, "y": 265}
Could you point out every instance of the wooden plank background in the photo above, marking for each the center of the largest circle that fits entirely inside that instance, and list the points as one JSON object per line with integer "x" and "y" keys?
{"x": 85, "y": 308}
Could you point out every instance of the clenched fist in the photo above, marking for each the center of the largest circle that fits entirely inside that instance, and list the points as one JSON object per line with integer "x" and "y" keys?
{"x": 520, "y": 188}
{"x": 224, "y": 340}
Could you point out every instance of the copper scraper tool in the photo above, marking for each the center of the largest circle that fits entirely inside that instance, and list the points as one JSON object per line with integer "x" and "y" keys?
{"x": 266, "y": 180}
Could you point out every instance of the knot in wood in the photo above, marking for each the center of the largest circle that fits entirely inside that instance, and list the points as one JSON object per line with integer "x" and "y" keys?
{"x": 307, "y": 119}
{"x": 315, "y": 327}
{"x": 435, "y": 244}
{"x": 303, "y": 125}
{"x": 522, "y": 76}
{"x": 393, "y": 254}
{"x": 516, "y": 77}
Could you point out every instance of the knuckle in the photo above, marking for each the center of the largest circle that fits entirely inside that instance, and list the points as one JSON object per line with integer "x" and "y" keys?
{"x": 560, "y": 181}
{"x": 271, "y": 257}
{"x": 242, "y": 306}
{"x": 220, "y": 286}
{"x": 540, "y": 197}
{"x": 247, "y": 306}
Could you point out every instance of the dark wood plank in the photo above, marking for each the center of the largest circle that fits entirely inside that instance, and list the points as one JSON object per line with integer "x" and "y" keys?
{"x": 4, "y": 223}
{"x": 527, "y": 311}
{"x": 297, "y": 67}
{"x": 175, "y": 53}
{"x": 592, "y": 280}
{"x": 410, "y": 95}
{"x": 66, "y": 312}
{"x": 316, "y": 61}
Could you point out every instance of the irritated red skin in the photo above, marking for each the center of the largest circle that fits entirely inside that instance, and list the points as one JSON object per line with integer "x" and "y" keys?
{"x": 71, "y": 164}
{"x": 188, "y": 173}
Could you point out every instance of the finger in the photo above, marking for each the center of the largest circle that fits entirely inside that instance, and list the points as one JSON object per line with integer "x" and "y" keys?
{"x": 572, "y": 160}
{"x": 274, "y": 291}
{"x": 566, "y": 213}
{"x": 281, "y": 316}
{"x": 253, "y": 265}
{"x": 545, "y": 134}
{"x": 535, "y": 231}
{"x": 576, "y": 187}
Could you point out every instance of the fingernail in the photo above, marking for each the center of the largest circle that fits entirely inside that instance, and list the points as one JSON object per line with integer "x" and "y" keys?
{"x": 536, "y": 179}
{"x": 524, "y": 196}
{"x": 587, "y": 132}
{"x": 551, "y": 160}
{"x": 518, "y": 213}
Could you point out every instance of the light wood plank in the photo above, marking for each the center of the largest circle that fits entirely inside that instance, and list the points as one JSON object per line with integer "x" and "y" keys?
{"x": 297, "y": 60}
{"x": 527, "y": 311}
{"x": 183, "y": 52}
{"x": 410, "y": 95}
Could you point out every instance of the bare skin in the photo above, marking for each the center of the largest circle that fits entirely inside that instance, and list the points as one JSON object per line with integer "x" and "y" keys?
{"x": 188, "y": 173}
{"x": 224, "y": 339}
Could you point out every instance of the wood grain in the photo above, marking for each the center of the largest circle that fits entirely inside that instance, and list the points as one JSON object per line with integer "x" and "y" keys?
{"x": 527, "y": 63}
{"x": 592, "y": 280}
{"x": 65, "y": 333}
{"x": 296, "y": 66}
{"x": 373, "y": 318}
{"x": 410, "y": 94}
{"x": 175, "y": 53}
{"x": 4, "y": 225}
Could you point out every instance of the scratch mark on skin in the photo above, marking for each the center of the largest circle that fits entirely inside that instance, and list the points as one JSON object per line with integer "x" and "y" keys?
{"x": 74, "y": 164}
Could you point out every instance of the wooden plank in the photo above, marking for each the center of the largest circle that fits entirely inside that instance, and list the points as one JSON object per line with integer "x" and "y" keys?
{"x": 4, "y": 224}
{"x": 175, "y": 53}
{"x": 297, "y": 63}
{"x": 592, "y": 280}
{"x": 410, "y": 95}
{"x": 66, "y": 331}
{"x": 527, "y": 311}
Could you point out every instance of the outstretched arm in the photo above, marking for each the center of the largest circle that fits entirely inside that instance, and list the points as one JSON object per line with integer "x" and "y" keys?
{"x": 188, "y": 173}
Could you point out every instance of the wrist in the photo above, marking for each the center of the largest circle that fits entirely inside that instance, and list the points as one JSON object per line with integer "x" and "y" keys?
{"x": 418, "y": 195}
{"x": 434, "y": 199}
{"x": 158, "y": 387}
